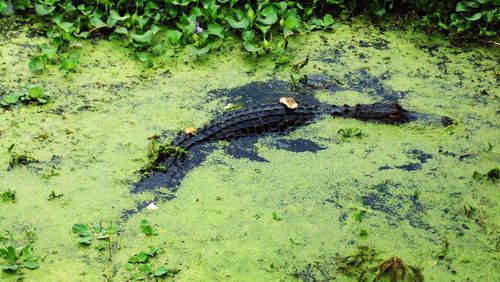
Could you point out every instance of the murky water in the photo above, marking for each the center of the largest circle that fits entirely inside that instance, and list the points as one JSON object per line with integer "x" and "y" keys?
{"x": 297, "y": 204}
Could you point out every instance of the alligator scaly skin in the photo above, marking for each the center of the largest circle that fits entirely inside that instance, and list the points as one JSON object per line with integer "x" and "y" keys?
{"x": 276, "y": 117}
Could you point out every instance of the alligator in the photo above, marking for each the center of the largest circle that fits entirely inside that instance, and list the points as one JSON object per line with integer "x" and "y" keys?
{"x": 255, "y": 121}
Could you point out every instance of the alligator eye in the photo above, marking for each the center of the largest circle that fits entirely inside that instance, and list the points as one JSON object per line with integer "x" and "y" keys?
{"x": 289, "y": 102}
{"x": 190, "y": 131}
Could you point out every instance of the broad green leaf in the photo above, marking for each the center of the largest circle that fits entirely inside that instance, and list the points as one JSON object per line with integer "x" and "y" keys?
{"x": 269, "y": 15}
{"x": 251, "y": 47}
{"x": 462, "y": 7}
{"x": 379, "y": 12}
{"x": 199, "y": 52}
{"x": 36, "y": 63}
{"x": 160, "y": 271}
{"x": 95, "y": 22}
{"x": 187, "y": 24}
{"x": 173, "y": 36}
{"x": 146, "y": 37}
{"x": 215, "y": 29}
{"x": 248, "y": 35}
{"x": 142, "y": 21}
{"x": 36, "y": 92}
{"x": 241, "y": 20}
{"x": 142, "y": 56}
{"x": 114, "y": 15}
{"x": 10, "y": 267}
{"x": 11, "y": 255}
{"x": 85, "y": 240}
{"x": 69, "y": 63}
{"x": 293, "y": 23}
{"x": 31, "y": 264}
{"x": 328, "y": 20}
{"x": 474, "y": 17}
{"x": 81, "y": 229}
{"x": 121, "y": 30}
{"x": 42, "y": 10}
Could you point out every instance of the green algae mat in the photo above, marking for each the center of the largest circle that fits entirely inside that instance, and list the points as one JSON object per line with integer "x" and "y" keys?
{"x": 338, "y": 199}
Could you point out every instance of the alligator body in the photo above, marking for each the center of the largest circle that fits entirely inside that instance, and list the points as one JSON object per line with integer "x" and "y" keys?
{"x": 278, "y": 118}
{"x": 255, "y": 121}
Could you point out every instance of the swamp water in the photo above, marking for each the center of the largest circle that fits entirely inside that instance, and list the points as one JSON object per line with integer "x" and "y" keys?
{"x": 309, "y": 205}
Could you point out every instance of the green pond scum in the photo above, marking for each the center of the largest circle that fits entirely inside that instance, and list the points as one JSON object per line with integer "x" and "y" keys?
{"x": 376, "y": 203}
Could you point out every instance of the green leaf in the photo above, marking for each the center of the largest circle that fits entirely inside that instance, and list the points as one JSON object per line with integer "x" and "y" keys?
{"x": 379, "y": 12}
{"x": 69, "y": 63}
{"x": 147, "y": 228}
{"x": 36, "y": 92}
{"x": 85, "y": 240}
{"x": 187, "y": 24}
{"x": 241, "y": 21}
{"x": 215, "y": 29}
{"x": 10, "y": 267}
{"x": 42, "y": 10}
{"x": 461, "y": 7}
{"x": 96, "y": 22}
{"x": 146, "y": 37}
{"x": 161, "y": 271}
{"x": 114, "y": 15}
{"x": 293, "y": 23}
{"x": 36, "y": 63}
{"x": 11, "y": 255}
{"x": 11, "y": 99}
{"x": 199, "y": 51}
{"x": 328, "y": 20}
{"x": 248, "y": 35}
{"x": 251, "y": 47}
{"x": 31, "y": 264}
{"x": 474, "y": 17}
{"x": 81, "y": 229}
{"x": 142, "y": 56}
{"x": 269, "y": 15}
{"x": 173, "y": 36}
{"x": 121, "y": 30}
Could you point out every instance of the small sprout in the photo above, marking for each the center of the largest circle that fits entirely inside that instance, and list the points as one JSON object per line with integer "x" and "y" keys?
{"x": 9, "y": 196}
{"x": 147, "y": 228}
{"x": 152, "y": 206}
{"x": 53, "y": 196}
{"x": 289, "y": 102}
{"x": 363, "y": 233}
{"x": 350, "y": 132}
{"x": 87, "y": 233}
{"x": 190, "y": 131}
{"x": 276, "y": 217}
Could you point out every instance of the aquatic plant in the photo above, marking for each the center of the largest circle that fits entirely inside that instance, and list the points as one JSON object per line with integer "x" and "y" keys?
{"x": 14, "y": 258}
{"x": 147, "y": 228}
{"x": 8, "y": 196}
{"x": 32, "y": 94}
{"x": 140, "y": 267}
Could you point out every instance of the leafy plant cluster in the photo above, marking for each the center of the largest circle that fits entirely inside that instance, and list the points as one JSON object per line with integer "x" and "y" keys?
{"x": 454, "y": 16}
{"x": 154, "y": 27}
{"x": 32, "y": 94}
{"x": 141, "y": 268}
{"x": 8, "y": 196}
{"x": 89, "y": 233}
{"x": 14, "y": 258}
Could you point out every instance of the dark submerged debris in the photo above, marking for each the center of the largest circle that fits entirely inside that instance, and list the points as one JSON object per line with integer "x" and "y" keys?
{"x": 491, "y": 175}
{"x": 397, "y": 270}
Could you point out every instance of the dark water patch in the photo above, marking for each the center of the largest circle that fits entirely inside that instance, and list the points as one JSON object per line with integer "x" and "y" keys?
{"x": 419, "y": 155}
{"x": 362, "y": 81}
{"x": 378, "y": 43}
{"x": 255, "y": 93}
{"x": 244, "y": 148}
{"x": 397, "y": 207}
{"x": 297, "y": 145}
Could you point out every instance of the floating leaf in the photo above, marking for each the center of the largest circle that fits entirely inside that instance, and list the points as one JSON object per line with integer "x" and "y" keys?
{"x": 146, "y": 37}
{"x": 36, "y": 63}
{"x": 36, "y": 92}
{"x": 42, "y": 10}
{"x": 269, "y": 15}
